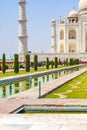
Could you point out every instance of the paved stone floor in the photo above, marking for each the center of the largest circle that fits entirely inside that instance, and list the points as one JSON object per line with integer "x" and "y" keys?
{"x": 43, "y": 122}
{"x": 30, "y": 97}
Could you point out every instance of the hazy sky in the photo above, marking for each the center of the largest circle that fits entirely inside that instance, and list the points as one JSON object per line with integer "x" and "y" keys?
{"x": 39, "y": 15}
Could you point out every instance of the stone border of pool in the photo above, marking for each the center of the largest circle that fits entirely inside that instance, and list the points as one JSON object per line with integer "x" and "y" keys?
{"x": 58, "y": 108}
{"x": 20, "y": 77}
{"x": 30, "y": 97}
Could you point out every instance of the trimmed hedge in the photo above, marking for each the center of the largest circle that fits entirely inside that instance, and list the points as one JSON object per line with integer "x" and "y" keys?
{"x": 16, "y": 63}
{"x": 27, "y": 66}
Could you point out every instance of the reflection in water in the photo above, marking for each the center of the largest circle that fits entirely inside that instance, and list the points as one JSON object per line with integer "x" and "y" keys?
{"x": 47, "y": 78}
{"x": 62, "y": 73}
{"x": 19, "y": 86}
{"x": 35, "y": 81}
{"x": 56, "y": 75}
{"x": 22, "y": 86}
{"x": 27, "y": 84}
{"x": 52, "y": 76}
{"x": 10, "y": 90}
{"x": 30, "y": 82}
{"x": 43, "y": 79}
{"x": 3, "y": 91}
{"x": 16, "y": 87}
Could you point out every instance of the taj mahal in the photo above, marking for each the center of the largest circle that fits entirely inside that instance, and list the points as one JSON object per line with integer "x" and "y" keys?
{"x": 69, "y": 36}
{"x": 72, "y": 33}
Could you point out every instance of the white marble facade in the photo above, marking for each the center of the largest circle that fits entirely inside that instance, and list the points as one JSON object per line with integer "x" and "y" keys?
{"x": 72, "y": 32}
{"x": 69, "y": 37}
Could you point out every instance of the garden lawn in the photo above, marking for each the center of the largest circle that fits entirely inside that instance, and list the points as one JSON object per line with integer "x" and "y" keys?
{"x": 21, "y": 72}
{"x": 76, "y": 88}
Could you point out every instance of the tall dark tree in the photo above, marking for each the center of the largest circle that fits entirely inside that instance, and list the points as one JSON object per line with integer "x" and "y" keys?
{"x": 52, "y": 64}
{"x": 77, "y": 61}
{"x": 56, "y": 62}
{"x": 16, "y": 63}
{"x": 66, "y": 61}
{"x": 35, "y": 62}
{"x": 47, "y": 63}
{"x": 27, "y": 58}
{"x": 3, "y": 63}
{"x": 59, "y": 62}
{"x": 71, "y": 61}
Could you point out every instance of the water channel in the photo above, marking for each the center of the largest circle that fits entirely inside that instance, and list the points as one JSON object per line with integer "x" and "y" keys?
{"x": 15, "y": 87}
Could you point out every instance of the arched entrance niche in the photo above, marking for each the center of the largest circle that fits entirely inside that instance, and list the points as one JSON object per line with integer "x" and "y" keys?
{"x": 72, "y": 34}
{"x": 72, "y": 47}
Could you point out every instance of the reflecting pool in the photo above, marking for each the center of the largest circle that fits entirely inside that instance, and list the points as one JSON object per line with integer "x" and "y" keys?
{"x": 22, "y": 85}
{"x": 14, "y": 87}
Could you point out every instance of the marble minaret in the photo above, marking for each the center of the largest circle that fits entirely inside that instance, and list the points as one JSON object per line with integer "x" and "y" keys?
{"x": 23, "y": 44}
{"x": 54, "y": 46}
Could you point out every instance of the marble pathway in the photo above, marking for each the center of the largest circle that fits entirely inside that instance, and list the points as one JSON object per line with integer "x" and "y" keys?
{"x": 43, "y": 122}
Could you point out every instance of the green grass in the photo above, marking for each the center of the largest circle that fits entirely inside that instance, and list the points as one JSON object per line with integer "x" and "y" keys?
{"x": 63, "y": 112}
{"x": 77, "y": 86}
{"x": 21, "y": 72}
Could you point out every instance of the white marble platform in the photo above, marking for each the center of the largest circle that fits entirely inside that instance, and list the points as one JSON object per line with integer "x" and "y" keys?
{"x": 44, "y": 122}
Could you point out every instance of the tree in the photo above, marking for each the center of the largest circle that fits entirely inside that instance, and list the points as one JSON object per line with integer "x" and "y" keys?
{"x": 76, "y": 61}
{"x": 52, "y": 64}
{"x": 35, "y": 62}
{"x": 16, "y": 63}
{"x": 27, "y": 67}
{"x": 59, "y": 62}
{"x": 66, "y": 61}
{"x": 56, "y": 62}
{"x": 71, "y": 61}
{"x": 3, "y": 63}
{"x": 47, "y": 63}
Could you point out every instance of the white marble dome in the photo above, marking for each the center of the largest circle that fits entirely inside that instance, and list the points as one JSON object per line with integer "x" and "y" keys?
{"x": 73, "y": 13}
{"x": 83, "y": 7}
{"x": 82, "y": 4}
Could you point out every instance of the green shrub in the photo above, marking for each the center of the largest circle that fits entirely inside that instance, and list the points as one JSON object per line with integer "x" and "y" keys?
{"x": 35, "y": 62}
{"x": 52, "y": 64}
{"x": 16, "y": 63}
{"x": 59, "y": 62}
{"x": 66, "y": 62}
{"x": 27, "y": 67}
{"x": 71, "y": 62}
{"x": 3, "y": 63}
{"x": 56, "y": 62}
{"x": 47, "y": 63}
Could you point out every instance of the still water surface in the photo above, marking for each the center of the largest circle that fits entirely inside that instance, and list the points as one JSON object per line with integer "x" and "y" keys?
{"x": 19, "y": 86}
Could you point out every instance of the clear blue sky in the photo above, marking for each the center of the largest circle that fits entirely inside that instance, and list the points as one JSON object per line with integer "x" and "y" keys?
{"x": 39, "y": 15}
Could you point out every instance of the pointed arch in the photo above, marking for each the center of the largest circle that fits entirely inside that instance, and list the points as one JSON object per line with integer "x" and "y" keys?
{"x": 72, "y": 47}
{"x": 72, "y": 34}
